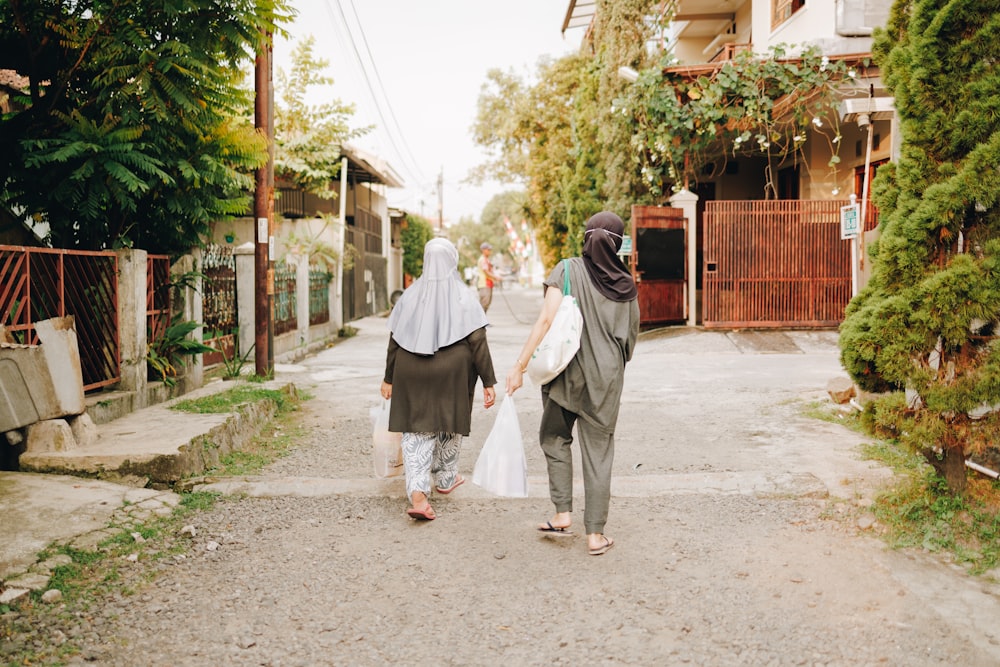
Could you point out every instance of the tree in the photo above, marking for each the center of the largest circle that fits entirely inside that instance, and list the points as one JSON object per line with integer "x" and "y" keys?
{"x": 134, "y": 128}
{"x": 415, "y": 234}
{"x": 468, "y": 234}
{"x": 560, "y": 137}
{"x": 308, "y": 137}
{"x": 926, "y": 326}
{"x": 622, "y": 32}
{"x": 545, "y": 137}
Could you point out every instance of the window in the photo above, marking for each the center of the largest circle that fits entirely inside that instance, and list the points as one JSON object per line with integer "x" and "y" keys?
{"x": 782, "y": 10}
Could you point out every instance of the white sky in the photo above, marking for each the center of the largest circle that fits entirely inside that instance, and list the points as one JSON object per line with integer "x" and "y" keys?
{"x": 430, "y": 57}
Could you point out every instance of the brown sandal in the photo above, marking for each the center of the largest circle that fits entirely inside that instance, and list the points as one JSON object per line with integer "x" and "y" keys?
{"x": 425, "y": 515}
{"x": 603, "y": 549}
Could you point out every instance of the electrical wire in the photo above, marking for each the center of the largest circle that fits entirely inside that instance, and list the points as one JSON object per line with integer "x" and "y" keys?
{"x": 412, "y": 168}
{"x": 378, "y": 78}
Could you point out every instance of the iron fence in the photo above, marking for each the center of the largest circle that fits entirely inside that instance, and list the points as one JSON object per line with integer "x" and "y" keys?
{"x": 37, "y": 284}
{"x": 775, "y": 264}
{"x": 285, "y": 317}
{"x": 219, "y": 309}
{"x": 319, "y": 296}
{"x": 159, "y": 296}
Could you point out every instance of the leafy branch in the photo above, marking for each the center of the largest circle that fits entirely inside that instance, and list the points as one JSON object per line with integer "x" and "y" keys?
{"x": 748, "y": 106}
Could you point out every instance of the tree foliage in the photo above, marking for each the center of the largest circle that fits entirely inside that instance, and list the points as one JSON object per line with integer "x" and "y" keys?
{"x": 133, "y": 128}
{"x": 559, "y": 138}
{"x": 749, "y": 106}
{"x": 416, "y": 232}
{"x": 582, "y": 139}
{"x": 623, "y": 30}
{"x": 468, "y": 234}
{"x": 545, "y": 137}
{"x": 928, "y": 320}
{"x": 308, "y": 137}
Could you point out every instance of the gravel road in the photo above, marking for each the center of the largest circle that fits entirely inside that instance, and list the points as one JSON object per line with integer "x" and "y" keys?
{"x": 735, "y": 515}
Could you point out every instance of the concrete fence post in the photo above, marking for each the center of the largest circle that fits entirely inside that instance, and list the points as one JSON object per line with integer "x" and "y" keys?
{"x": 132, "y": 323}
{"x": 191, "y": 311}
{"x": 302, "y": 299}
{"x": 688, "y": 202}
{"x": 337, "y": 282}
{"x": 245, "y": 304}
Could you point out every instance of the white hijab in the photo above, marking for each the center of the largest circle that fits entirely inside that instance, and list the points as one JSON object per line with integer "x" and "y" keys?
{"x": 438, "y": 309}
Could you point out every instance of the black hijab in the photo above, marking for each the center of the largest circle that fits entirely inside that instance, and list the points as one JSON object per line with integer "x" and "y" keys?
{"x": 601, "y": 242}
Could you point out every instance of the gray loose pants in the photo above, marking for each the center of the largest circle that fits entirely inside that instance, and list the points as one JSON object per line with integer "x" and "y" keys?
{"x": 597, "y": 452}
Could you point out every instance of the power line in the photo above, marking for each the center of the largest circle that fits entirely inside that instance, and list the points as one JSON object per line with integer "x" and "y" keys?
{"x": 378, "y": 78}
{"x": 414, "y": 167}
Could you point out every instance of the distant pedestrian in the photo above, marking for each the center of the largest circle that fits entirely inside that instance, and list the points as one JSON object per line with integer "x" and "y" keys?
{"x": 437, "y": 352}
{"x": 486, "y": 278}
{"x": 587, "y": 393}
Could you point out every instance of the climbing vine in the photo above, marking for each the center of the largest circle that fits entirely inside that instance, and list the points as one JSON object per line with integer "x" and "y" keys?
{"x": 748, "y": 106}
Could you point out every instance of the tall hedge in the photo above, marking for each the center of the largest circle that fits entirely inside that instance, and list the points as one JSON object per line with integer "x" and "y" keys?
{"x": 926, "y": 326}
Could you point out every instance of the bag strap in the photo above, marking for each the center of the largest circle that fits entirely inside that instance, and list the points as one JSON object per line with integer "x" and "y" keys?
{"x": 565, "y": 263}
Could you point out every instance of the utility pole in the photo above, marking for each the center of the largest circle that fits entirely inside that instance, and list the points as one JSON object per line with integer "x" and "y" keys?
{"x": 263, "y": 275}
{"x": 441, "y": 199}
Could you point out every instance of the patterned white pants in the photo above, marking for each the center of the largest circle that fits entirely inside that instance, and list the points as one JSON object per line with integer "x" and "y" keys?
{"x": 430, "y": 454}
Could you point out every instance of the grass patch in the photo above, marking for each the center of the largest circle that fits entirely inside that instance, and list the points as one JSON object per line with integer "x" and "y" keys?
{"x": 918, "y": 512}
{"x": 272, "y": 443}
{"x": 828, "y": 411}
{"x": 241, "y": 394}
{"x": 92, "y": 575}
{"x": 921, "y": 514}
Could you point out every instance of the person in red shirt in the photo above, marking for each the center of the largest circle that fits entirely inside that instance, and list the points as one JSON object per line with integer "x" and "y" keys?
{"x": 485, "y": 277}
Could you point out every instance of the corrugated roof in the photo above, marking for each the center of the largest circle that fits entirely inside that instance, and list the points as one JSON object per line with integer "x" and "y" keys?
{"x": 363, "y": 167}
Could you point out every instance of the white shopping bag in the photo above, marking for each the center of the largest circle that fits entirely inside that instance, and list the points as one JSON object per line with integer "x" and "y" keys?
{"x": 501, "y": 467}
{"x": 387, "y": 448}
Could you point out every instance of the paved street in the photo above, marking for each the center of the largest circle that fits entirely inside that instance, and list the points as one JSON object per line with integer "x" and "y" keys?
{"x": 735, "y": 517}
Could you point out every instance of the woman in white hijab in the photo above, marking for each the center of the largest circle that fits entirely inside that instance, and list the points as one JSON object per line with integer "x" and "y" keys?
{"x": 437, "y": 352}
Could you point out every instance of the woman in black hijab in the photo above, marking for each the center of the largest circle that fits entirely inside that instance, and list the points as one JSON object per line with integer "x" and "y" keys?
{"x": 587, "y": 393}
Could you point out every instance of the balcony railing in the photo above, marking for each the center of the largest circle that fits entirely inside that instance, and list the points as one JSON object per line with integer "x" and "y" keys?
{"x": 729, "y": 51}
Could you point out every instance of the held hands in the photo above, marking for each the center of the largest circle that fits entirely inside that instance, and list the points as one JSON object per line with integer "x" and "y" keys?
{"x": 386, "y": 390}
{"x": 489, "y": 397}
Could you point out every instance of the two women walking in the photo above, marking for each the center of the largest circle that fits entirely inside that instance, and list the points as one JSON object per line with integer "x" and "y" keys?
{"x": 438, "y": 350}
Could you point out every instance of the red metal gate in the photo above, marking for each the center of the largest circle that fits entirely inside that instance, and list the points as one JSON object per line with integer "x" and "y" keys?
{"x": 40, "y": 283}
{"x": 659, "y": 263}
{"x": 775, "y": 264}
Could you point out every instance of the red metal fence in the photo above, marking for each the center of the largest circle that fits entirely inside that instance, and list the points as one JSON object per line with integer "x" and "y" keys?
{"x": 158, "y": 296}
{"x": 775, "y": 264}
{"x": 40, "y": 283}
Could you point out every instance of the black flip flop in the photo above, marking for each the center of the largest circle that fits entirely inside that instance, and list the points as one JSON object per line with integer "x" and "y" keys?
{"x": 552, "y": 531}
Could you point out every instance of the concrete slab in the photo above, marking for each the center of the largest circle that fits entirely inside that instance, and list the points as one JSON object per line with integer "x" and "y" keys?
{"x": 157, "y": 442}
{"x": 38, "y": 510}
{"x": 139, "y": 438}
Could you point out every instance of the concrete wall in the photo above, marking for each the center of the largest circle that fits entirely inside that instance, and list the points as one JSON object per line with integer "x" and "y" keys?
{"x": 815, "y": 23}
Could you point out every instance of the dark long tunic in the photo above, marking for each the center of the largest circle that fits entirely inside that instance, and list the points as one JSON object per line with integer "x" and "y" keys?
{"x": 434, "y": 393}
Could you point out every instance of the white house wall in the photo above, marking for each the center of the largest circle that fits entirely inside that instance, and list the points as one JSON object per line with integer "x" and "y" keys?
{"x": 815, "y": 24}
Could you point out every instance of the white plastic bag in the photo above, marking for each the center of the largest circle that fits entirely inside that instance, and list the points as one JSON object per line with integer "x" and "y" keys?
{"x": 561, "y": 341}
{"x": 501, "y": 467}
{"x": 386, "y": 446}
